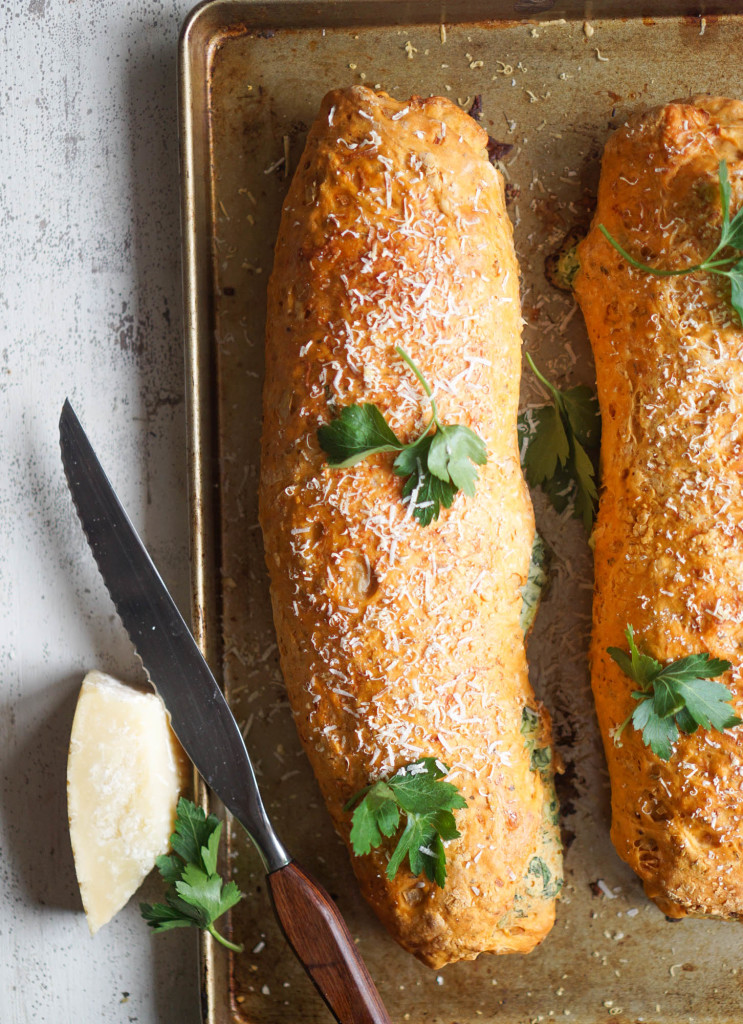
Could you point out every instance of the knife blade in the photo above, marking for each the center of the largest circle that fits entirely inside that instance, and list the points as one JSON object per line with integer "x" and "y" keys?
{"x": 208, "y": 732}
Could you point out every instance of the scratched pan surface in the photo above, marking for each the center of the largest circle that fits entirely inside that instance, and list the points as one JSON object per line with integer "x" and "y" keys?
{"x": 252, "y": 77}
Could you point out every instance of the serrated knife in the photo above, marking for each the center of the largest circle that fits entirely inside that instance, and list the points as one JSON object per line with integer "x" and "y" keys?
{"x": 208, "y": 732}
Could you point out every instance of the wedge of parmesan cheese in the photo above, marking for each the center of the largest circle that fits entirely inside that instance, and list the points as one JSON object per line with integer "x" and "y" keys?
{"x": 125, "y": 772}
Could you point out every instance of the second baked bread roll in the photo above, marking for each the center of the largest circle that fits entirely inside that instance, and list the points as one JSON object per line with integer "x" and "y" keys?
{"x": 399, "y": 641}
{"x": 668, "y": 545}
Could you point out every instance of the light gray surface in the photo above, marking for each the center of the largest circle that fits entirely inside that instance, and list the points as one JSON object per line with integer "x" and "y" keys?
{"x": 89, "y": 308}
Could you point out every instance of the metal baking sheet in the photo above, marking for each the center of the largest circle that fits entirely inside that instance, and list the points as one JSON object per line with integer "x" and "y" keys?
{"x": 252, "y": 77}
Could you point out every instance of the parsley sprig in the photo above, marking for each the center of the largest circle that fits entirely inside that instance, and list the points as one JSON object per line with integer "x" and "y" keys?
{"x": 196, "y": 894}
{"x": 416, "y": 792}
{"x": 673, "y": 697}
{"x": 731, "y": 237}
{"x": 436, "y": 465}
{"x": 559, "y": 437}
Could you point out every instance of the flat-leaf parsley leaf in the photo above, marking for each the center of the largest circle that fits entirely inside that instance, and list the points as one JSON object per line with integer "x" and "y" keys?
{"x": 416, "y": 793}
{"x": 672, "y": 697}
{"x": 435, "y": 465}
{"x": 731, "y": 237}
{"x": 196, "y": 894}
{"x": 558, "y": 439}
{"x": 359, "y": 431}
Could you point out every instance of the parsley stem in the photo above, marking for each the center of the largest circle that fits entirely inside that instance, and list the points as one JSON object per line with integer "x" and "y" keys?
{"x": 424, "y": 384}
{"x": 654, "y": 270}
{"x": 550, "y": 387}
{"x": 720, "y": 245}
{"x": 620, "y": 729}
{"x": 719, "y": 263}
{"x": 731, "y": 237}
{"x": 225, "y": 942}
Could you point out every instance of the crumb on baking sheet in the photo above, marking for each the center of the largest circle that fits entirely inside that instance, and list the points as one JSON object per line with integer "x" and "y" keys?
{"x": 274, "y": 166}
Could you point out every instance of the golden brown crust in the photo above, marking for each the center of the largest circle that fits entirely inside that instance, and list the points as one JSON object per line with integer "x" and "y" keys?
{"x": 399, "y": 641}
{"x": 668, "y": 543}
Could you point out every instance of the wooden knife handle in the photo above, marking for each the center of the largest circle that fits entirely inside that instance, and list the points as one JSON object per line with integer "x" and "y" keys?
{"x": 323, "y": 944}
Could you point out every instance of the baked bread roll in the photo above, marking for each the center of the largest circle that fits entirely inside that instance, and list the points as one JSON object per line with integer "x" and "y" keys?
{"x": 668, "y": 546}
{"x": 399, "y": 641}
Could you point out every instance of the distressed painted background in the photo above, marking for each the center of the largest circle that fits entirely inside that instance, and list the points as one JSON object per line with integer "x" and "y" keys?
{"x": 89, "y": 308}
